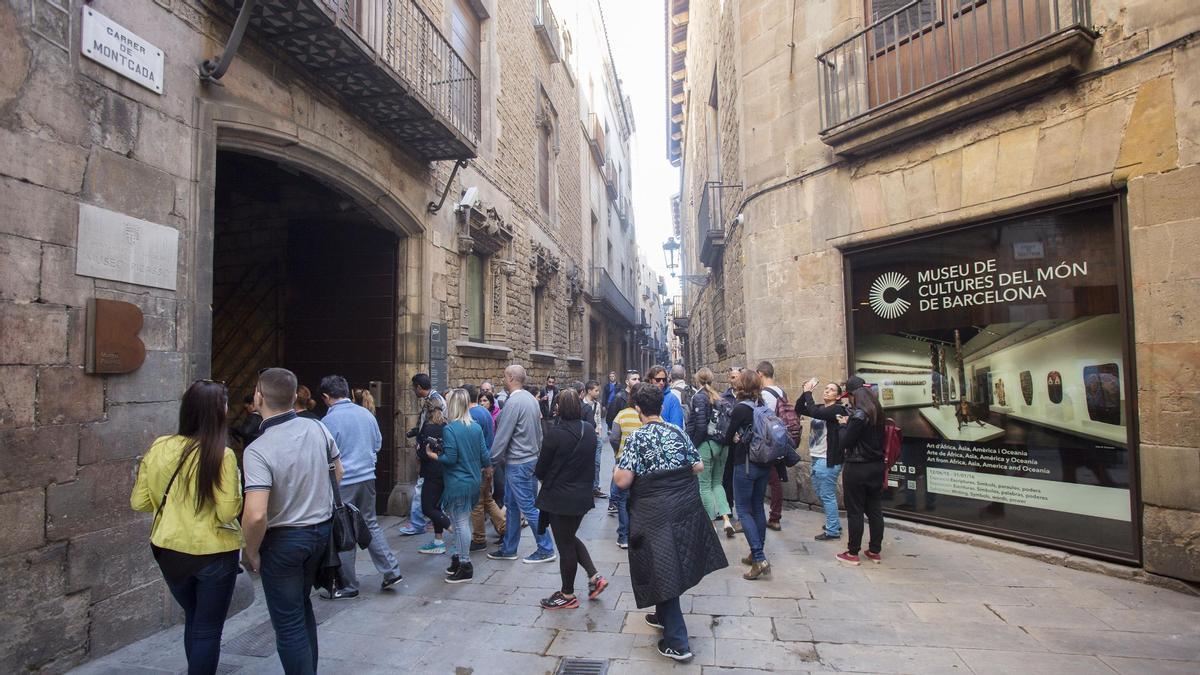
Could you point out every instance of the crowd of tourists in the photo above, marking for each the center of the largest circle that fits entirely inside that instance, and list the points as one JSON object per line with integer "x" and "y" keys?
{"x": 691, "y": 459}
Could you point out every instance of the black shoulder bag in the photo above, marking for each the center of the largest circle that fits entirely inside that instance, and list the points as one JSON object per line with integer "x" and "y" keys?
{"x": 349, "y": 528}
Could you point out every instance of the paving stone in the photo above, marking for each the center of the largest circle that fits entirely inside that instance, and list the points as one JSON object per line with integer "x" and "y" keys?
{"x": 953, "y": 613}
{"x": 1119, "y": 643}
{"x": 967, "y": 635}
{"x": 862, "y": 611}
{"x": 591, "y": 645}
{"x": 721, "y": 605}
{"x": 891, "y": 659}
{"x": 631, "y": 667}
{"x": 521, "y": 639}
{"x": 763, "y": 655}
{"x": 1150, "y": 621}
{"x": 775, "y": 607}
{"x": 997, "y": 662}
{"x": 1131, "y": 666}
{"x": 854, "y": 632}
{"x": 374, "y": 650}
{"x": 590, "y": 619}
{"x": 1050, "y": 617}
{"x": 792, "y": 630}
{"x": 743, "y": 628}
{"x": 987, "y": 595}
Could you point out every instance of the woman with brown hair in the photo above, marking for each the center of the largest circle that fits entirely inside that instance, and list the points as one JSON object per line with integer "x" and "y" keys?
{"x": 195, "y": 535}
{"x": 304, "y": 403}
{"x": 749, "y": 478}
{"x": 702, "y": 431}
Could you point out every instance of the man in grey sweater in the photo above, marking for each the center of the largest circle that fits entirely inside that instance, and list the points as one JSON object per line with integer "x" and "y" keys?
{"x": 516, "y": 445}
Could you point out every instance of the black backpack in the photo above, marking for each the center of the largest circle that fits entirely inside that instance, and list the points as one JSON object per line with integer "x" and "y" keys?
{"x": 718, "y": 419}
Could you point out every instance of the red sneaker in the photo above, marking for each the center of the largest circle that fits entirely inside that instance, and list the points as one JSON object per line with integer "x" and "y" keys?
{"x": 874, "y": 557}
{"x": 596, "y": 586}
{"x": 847, "y": 558}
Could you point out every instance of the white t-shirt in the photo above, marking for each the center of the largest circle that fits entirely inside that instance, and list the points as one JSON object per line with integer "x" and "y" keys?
{"x": 771, "y": 396}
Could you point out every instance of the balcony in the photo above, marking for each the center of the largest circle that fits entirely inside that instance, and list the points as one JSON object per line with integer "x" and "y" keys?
{"x": 387, "y": 61}
{"x": 710, "y": 221}
{"x": 607, "y": 295}
{"x": 547, "y": 29}
{"x": 679, "y": 318}
{"x": 611, "y": 180}
{"x": 931, "y": 63}
{"x": 595, "y": 130}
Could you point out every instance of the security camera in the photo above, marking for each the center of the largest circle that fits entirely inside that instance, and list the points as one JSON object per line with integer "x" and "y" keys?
{"x": 739, "y": 219}
{"x": 468, "y": 198}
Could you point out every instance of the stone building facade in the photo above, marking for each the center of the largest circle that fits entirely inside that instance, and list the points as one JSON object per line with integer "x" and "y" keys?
{"x": 301, "y": 190}
{"x": 816, "y": 136}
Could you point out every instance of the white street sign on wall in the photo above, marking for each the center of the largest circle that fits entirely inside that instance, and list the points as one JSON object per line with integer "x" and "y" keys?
{"x": 117, "y": 48}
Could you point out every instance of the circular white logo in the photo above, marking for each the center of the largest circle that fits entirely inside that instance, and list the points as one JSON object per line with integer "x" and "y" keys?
{"x": 885, "y": 295}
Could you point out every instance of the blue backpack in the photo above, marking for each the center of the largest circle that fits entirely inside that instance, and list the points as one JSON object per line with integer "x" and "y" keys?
{"x": 769, "y": 439}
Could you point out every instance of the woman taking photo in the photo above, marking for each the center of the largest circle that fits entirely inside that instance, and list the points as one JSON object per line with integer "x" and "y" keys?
{"x": 702, "y": 433}
{"x": 823, "y": 450}
{"x": 190, "y": 482}
{"x": 749, "y": 478}
{"x": 566, "y": 468}
{"x": 429, "y": 446}
{"x": 463, "y": 459}
{"x": 861, "y": 443}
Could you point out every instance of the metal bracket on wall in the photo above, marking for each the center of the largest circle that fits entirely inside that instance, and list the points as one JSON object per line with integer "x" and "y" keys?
{"x": 434, "y": 207}
{"x": 212, "y": 70}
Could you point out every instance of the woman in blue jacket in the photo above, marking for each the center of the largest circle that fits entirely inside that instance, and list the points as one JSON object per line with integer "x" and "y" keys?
{"x": 463, "y": 458}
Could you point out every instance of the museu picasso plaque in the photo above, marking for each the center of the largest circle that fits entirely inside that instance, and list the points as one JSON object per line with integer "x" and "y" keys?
{"x": 115, "y": 246}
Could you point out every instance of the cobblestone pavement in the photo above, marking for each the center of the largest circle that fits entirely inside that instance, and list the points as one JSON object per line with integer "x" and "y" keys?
{"x": 933, "y": 606}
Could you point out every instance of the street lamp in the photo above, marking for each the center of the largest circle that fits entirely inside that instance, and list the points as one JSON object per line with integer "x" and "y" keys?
{"x": 670, "y": 246}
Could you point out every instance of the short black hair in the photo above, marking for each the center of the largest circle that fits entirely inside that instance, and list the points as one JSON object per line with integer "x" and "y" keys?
{"x": 422, "y": 380}
{"x": 472, "y": 392}
{"x": 335, "y": 386}
{"x": 647, "y": 398}
{"x": 591, "y": 384}
{"x": 278, "y": 388}
{"x": 766, "y": 369}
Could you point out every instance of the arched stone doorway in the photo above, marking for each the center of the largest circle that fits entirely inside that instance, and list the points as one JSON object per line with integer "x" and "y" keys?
{"x": 308, "y": 263}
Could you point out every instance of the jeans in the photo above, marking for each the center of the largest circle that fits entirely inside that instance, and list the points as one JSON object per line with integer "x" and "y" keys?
{"x": 520, "y": 492}
{"x": 862, "y": 483}
{"x": 712, "y": 493}
{"x": 620, "y": 497}
{"x": 205, "y": 597}
{"x": 674, "y": 629}
{"x": 572, "y": 553}
{"x": 599, "y": 449}
{"x": 416, "y": 517}
{"x": 749, "y": 489}
{"x": 824, "y": 480}
{"x": 459, "y": 511}
{"x": 487, "y": 506}
{"x": 290, "y": 559}
{"x": 362, "y": 496}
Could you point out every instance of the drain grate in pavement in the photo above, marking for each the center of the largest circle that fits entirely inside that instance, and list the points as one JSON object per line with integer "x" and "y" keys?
{"x": 582, "y": 667}
{"x": 259, "y": 640}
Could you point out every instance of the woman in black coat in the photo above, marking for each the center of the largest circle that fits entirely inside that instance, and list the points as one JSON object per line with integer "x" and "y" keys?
{"x": 566, "y": 467}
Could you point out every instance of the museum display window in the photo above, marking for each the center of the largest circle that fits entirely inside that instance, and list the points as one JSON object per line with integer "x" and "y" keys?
{"x": 1002, "y": 351}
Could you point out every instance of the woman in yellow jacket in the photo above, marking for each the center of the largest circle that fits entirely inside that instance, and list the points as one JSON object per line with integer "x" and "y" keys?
{"x": 190, "y": 482}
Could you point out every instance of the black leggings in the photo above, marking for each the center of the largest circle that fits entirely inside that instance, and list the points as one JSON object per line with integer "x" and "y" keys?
{"x": 727, "y": 482}
{"x": 571, "y": 551}
{"x": 862, "y": 483}
{"x": 431, "y": 504}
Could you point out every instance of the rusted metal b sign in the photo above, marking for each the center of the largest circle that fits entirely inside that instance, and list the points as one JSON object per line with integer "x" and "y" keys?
{"x": 113, "y": 345}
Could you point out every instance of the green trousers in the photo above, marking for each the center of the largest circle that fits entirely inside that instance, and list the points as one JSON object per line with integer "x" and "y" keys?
{"x": 712, "y": 493}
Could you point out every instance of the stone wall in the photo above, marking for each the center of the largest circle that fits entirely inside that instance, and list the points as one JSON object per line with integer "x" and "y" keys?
{"x": 1125, "y": 125}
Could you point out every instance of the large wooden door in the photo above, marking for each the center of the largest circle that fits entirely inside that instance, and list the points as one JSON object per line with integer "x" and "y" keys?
{"x": 340, "y": 311}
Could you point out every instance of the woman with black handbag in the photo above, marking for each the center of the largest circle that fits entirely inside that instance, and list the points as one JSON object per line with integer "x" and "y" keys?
{"x": 566, "y": 467}
{"x": 190, "y": 482}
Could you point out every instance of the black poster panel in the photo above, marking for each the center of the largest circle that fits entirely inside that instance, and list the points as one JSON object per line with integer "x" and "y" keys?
{"x": 999, "y": 350}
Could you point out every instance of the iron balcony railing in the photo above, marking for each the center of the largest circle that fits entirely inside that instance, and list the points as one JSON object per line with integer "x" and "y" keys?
{"x": 608, "y": 292}
{"x": 407, "y": 40}
{"x": 927, "y": 42}
{"x": 547, "y": 27}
